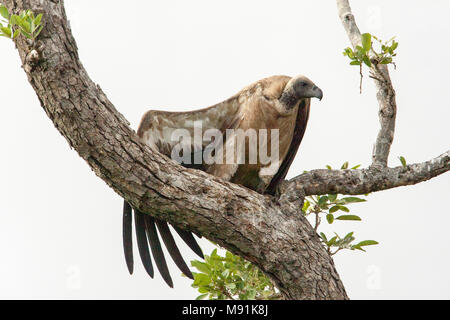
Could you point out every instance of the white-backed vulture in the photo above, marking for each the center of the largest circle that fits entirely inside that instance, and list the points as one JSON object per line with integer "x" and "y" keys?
{"x": 277, "y": 102}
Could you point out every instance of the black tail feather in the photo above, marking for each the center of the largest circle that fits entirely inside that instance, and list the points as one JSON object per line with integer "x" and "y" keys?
{"x": 190, "y": 241}
{"x": 157, "y": 252}
{"x": 139, "y": 221}
{"x": 128, "y": 236}
{"x": 171, "y": 246}
{"x": 146, "y": 233}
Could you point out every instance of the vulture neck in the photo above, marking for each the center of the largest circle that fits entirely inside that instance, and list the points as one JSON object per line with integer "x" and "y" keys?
{"x": 288, "y": 97}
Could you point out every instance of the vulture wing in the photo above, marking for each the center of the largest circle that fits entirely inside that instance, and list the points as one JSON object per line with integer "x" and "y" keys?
{"x": 154, "y": 130}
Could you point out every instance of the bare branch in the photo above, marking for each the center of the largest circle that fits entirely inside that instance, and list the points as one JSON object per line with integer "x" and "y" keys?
{"x": 385, "y": 90}
{"x": 323, "y": 181}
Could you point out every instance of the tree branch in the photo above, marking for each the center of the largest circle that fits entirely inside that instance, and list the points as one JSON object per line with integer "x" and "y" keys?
{"x": 323, "y": 181}
{"x": 385, "y": 90}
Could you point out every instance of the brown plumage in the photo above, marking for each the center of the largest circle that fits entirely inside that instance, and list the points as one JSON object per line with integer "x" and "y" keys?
{"x": 277, "y": 102}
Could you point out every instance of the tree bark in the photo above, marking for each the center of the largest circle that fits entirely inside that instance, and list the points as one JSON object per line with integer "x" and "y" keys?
{"x": 271, "y": 233}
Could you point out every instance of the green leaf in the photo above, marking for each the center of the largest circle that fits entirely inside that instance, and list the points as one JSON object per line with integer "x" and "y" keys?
{"x": 14, "y": 19}
{"x": 6, "y": 31}
{"x": 16, "y": 33}
{"x": 355, "y": 63}
{"x": 394, "y": 46}
{"x": 324, "y": 237}
{"x": 332, "y": 241}
{"x": 345, "y": 165}
{"x": 38, "y": 19}
{"x": 366, "y": 60}
{"x": 201, "y": 280}
{"x": 38, "y": 32}
{"x": 201, "y": 297}
{"x": 204, "y": 289}
{"x": 366, "y": 243}
{"x": 330, "y": 218}
{"x": 329, "y": 167}
{"x": 25, "y": 25}
{"x": 343, "y": 208}
{"x": 201, "y": 266}
{"x": 366, "y": 40}
{"x": 356, "y": 167}
{"x": 226, "y": 273}
{"x": 332, "y": 197}
{"x": 403, "y": 161}
{"x": 353, "y": 199}
{"x": 306, "y": 205}
{"x": 4, "y": 12}
{"x": 348, "y": 235}
{"x": 26, "y": 34}
{"x": 348, "y": 52}
{"x": 349, "y": 217}
{"x": 322, "y": 200}
{"x": 333, "y": 209}
{"x": 386, "y": 60}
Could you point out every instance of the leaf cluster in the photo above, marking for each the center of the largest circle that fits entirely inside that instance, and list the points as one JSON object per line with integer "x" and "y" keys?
{"x": 230, "y": 277}
{"x": 345, "y": 242}
{"x": 366, "y": 53}
{"x": 27, "y": 24}
{"x": 335, "y": 207}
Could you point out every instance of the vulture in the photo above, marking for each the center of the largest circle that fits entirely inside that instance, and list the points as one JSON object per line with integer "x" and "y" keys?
{"x": 277, "y": 102}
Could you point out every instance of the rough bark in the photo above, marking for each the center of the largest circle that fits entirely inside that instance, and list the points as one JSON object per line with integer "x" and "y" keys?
{"x": 270, "y": 233}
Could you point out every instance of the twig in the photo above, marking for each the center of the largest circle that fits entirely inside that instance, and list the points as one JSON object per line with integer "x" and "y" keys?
{"x": 333, "y": 253}
{"x": 360, "y": 78}
{"x": 317, "y": 222}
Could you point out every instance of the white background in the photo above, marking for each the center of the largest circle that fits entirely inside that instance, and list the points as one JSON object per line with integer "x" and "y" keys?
{"x": 60, "y": 226}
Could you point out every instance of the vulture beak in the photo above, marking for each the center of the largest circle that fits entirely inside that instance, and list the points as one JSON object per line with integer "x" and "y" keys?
{"x": 318, "y": 93}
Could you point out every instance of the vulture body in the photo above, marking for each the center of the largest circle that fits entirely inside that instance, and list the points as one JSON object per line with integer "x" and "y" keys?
{"x": 277, "y": 102}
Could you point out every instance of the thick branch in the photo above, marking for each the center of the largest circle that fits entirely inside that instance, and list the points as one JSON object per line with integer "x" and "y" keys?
{"x": 364, "y": 181}
{"x": 385, "y": 90}
{"x": 271, "y": 234}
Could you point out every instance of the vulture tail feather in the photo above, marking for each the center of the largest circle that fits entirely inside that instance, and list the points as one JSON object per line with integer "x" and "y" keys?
{"x": 157, "y": 252}
{"x": 189, "y": 239}
{"x": 171, "y": 246}
{"x": 139, "y": 221}
{"x": 128, "y": 235}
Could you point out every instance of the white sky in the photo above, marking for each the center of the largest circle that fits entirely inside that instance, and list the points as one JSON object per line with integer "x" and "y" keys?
{"x": 60, "y": 226}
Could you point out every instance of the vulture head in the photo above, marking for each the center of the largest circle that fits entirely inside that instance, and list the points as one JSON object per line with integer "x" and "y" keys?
{"x": 298, "y": 88}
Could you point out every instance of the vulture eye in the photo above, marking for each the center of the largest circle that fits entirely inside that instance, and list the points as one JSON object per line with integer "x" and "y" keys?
{"x": 303, "y": 84}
